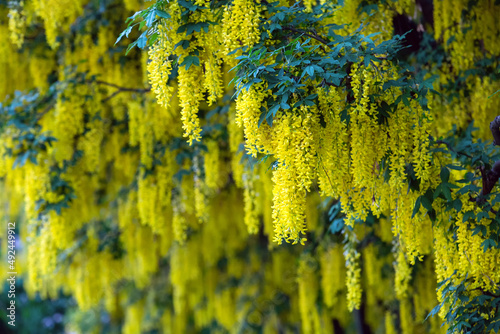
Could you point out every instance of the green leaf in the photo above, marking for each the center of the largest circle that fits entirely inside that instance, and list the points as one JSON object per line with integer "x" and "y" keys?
{"x": 190, "y": 60}
{"x": 285, "y": 106}
{"x": 184, "y": 43}
{"x": 482, "y": 215}
{"x": 269, "y": 119}
{"x": 188, "y": 5}
{"x": 142, "y": 41}
{"x": 463, "y": 298}
{"x": 262, "y": 116}
{"x": 455, "y": 167}
{"x": 150, "y": 18}
{"x": 130, "y": 47}
{"x": 487, "y": 244}
{"x": 162, "y": 14}
{"x": 153, "y": 38}
{"x": 125, "y": 33}
{"x": 274, "y": 26}
{"x": 438, "y": 191}
{"x": 369, "y": 8}
{"x": 21, "y": 159}
{"x": 468, "y": 215}
{"x": 181, "y": 173}
{"x": 427, "y": 200}
{"x": 457, "y": 204}
{"x": 334, "y": 210}
{"x": 434, "y": 311}
{"x": 445, "y": 174}
{"x": 274, "y": 109}
{"x": 337, "y": 225}
{"x": 417, "y": 206}
{"x": 477, "y": 229}
{"x": 190, "y": 28}
{"x": 309, "y": 70}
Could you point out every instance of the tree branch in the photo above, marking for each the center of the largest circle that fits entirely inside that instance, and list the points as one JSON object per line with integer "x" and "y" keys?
{"x": 451, "y": 148}
{"x": 119, "y": 89}
{"x": 495, "y": 130}
{"x": 490, "y": 176}
{"x": 299, "y": 31}
{"x": 123, "y": 89}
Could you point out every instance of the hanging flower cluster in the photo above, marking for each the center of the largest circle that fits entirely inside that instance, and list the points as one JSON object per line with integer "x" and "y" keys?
{"x": 162, "y": 187}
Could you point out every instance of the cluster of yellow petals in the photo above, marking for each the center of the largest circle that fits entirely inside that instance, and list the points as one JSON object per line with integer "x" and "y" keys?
{"x": 353, "y": 277}
{"x": 17, "y": 22}
{"x": 159, "y": 68}
{"x": 213, "y": 165}
{"x": 57, "y": 14}
{"x": 308, "y": 290}
{"x": 342, "y": 150}
{"x": 402, "y": 275}
{"x": 236, "y": 140}
{"x": 249, "y": 196}
{"x": 240, "y": 25}
{"x": 295, "y": 151}
{"x": 332, "y": 275}
{"x": 248, "y": 110}
{"x": 190, "y": 95}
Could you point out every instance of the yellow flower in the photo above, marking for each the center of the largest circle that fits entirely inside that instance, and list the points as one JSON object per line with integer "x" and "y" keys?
{"x": 17, "y": 22}
{"x": 190, "y": 95}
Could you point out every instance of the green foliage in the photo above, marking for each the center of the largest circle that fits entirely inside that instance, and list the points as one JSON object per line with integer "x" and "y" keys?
{"x": 468, "y": 315}
{"x": 149, "y": 19}
{"x": 303, "y": 52}
{"x": 298, "y": 62}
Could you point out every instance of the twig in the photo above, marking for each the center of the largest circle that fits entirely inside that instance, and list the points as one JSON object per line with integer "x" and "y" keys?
{"x": 451, "y": 148}
{"x": 330, "y": 181}
{"x": 123, "y": 89}
{"x": 111, "y": 96}
{"x": 119, "y": 89}
{"x": 490, "y": 177}
{"x": 316, "y": 37}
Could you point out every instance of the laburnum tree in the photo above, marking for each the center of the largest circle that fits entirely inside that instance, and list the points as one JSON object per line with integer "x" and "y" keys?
{"x": 254, "y": 166}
